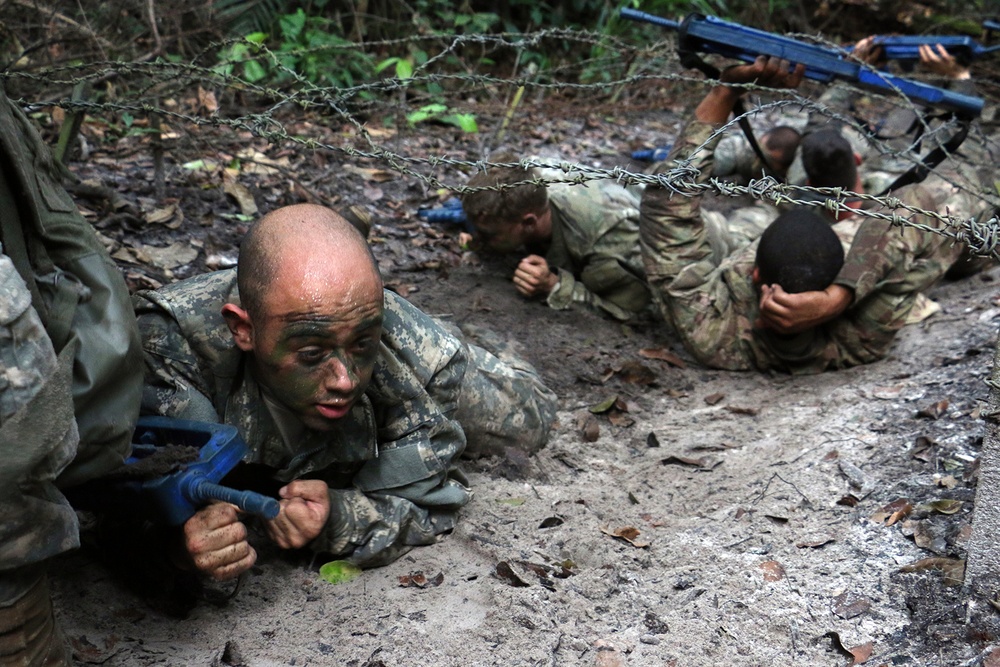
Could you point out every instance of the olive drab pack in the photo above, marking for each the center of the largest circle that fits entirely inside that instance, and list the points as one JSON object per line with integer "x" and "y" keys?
{"x": 77, "y": 291}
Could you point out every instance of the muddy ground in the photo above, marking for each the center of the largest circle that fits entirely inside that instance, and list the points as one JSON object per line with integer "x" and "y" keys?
{"x": 709, "y": 518}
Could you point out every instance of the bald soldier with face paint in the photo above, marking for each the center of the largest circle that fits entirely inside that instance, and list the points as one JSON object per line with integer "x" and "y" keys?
{"x": 348, "y": 395}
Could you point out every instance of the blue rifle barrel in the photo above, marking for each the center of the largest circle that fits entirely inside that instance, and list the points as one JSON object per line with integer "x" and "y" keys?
{"x": 709, "y": 34}
{"x": 452, "y": 211}
{"x": 991, "y": 25}
{"x": 200, "y": 491}
{"x": 658, "y": 154}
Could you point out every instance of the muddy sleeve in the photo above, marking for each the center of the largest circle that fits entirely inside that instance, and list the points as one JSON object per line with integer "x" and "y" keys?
{"x": 605, "y": 284}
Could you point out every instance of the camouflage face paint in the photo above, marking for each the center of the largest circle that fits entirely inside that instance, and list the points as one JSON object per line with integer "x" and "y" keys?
{"x": 319, "y": 364}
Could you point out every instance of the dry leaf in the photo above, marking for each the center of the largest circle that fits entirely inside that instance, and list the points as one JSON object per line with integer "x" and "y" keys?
{"x": 742, "y": 411}
{"x": 935, "y": 410}
{"x": 703, "y": 463}
{"x": 772, "y": 570}
{"x": 590, "y": 428}
{"x": 663, "y": 355}
{"x": 815, "y": 544}
{"x": 847, "y": 607}
{"x": 942, "y": 506}
{"x": 861, "y": 653}
{"x": 712, "y": 399}
{"x": 636, "y": 373}
{"x": 174, "y": 255}
{"x": 893, "y": 512}
{"x": 240, "y": 193}
{"x": 952, "y": 569}
{"x": 207, "y": 101}
{"x": 506, "y": 572}
{"x": 420, "y": 580}
{"x": 628, "y": 534}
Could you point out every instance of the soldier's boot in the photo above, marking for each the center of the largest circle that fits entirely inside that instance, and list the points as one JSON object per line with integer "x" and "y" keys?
{"x": 29, "y": 635}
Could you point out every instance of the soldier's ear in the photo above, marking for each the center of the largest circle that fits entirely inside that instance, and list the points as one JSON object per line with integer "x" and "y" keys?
{"x": 240, "y": 325}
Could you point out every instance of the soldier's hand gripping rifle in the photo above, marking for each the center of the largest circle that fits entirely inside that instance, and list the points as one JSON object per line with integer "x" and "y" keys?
{"x": 906, "y": 48}
{"x": 171, "y": 490}
{"x": 708, "y": 34}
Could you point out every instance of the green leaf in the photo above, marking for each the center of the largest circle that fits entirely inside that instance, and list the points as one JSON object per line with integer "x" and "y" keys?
{"x": 604, "y": 405}
{"x": 388, "y": 62}
{"x": 292, "y": 25}
{"x": 257, "y": 37}
{"x": 425, "y": 113}
{"x": 466, "y": 121}
{"x": 514, "y": 502}
{"x": 404, "y": 69}
{"x": 128, "y": 119}
{"x": 253, "y": 71}
{"x": 339, "y": 571}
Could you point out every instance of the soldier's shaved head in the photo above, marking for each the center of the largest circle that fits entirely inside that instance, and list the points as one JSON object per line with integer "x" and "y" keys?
{"x": 301, "y": 239}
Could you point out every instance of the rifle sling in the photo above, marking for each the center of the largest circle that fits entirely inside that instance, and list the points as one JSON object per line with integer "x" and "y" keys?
{"x": 692, "y": 60}
{"x": 919, "y": 171}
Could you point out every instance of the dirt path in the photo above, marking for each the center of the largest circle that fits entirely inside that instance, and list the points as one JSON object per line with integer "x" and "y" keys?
{"x": 747, "y": 558}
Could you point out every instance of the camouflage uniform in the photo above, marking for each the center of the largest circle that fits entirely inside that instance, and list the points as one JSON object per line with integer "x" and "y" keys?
{"x": 390, "y": 464}
{"x": 709, "y": 297}
{"x": 595, "y": 247}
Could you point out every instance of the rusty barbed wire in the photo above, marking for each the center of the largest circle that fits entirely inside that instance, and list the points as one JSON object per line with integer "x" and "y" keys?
{"x": 622, "y": 66}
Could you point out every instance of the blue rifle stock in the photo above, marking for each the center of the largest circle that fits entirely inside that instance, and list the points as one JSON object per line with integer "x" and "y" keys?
{"x": 174, "y": 497}
{"x": 708, "y": 34}
{"x": 906, "y": 48}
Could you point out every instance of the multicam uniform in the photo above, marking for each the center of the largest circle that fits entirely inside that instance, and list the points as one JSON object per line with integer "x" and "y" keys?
{"x": 709, "y": 297}
{"x": 595, "y": 247}
{"x": 390, "y": 464}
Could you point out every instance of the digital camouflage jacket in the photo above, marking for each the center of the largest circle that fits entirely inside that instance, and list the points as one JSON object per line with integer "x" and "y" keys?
{"x": 390, "y": 467}
{"x": 707, "y": 293}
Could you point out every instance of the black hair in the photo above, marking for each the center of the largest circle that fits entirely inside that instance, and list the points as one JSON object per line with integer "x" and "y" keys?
{"x": 828, "y": 160}
{"x": 800, "y": 252}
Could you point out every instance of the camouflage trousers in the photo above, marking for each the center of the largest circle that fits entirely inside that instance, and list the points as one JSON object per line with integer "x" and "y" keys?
{"x": 38, "y": 438}
{"x": 503, "y": 401}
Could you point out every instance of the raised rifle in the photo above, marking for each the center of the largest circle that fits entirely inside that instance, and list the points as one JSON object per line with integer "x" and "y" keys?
{"x": 709, "y": 34}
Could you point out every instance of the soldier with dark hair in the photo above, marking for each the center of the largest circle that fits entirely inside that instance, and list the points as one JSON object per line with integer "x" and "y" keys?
{"x": 582, "y": 240}
{"x": 733, "y": 313}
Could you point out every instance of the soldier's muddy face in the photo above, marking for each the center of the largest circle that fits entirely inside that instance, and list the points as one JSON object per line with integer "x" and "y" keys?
{"x": 316, "y": 351}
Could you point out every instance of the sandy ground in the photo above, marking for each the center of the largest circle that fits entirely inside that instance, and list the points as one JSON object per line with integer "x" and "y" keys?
{"x": 746, "y": 550}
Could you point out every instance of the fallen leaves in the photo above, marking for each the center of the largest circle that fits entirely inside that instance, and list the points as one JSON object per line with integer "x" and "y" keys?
{"x": 627, "y": 534}
{"x": 773, "y": 570}
{"x": 420, "y": 580}
{"x": 893, "y": 512}
{"x": 662, "y": 355}
{"x": 859, "y": 654}
{"x": 846, "y": 606}
{"x": 952, "y": 569}
{"x": 703, "y": 463}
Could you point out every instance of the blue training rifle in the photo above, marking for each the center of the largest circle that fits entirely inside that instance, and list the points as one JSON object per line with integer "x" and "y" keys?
{"x": 906, "y": 48}
{"x": 450, "y": 211}
{"x": 173, "y": 497}
{"x": 658, "y": 154}
{"x": 709, "y": 34}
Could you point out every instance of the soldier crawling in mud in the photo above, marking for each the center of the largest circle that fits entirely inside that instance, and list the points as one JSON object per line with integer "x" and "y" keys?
{"x": 732, "y": 311}
{"x": 582, "y": 240}
{"x": 348, "y": 395}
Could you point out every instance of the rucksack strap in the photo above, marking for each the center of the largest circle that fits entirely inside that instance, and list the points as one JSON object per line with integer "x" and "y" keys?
{"x": 919, "y": 171}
